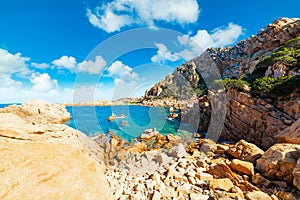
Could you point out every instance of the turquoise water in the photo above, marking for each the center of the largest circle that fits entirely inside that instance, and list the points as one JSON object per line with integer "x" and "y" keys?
{"x": 93, "y": 120}
{"x": 4, "y": 105}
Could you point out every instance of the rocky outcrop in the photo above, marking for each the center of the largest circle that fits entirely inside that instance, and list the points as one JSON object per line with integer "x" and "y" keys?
{"x": 192, "y": 87}
{"x": 265, "y": 123}
{"x": 39, "y": 112}
{"x": 245, "y": 55}
{"x": 279, "y": 161}
{"x": 45, "y": 160}
{"x": 234, "y": 61}
{"x": 253, "y": 119}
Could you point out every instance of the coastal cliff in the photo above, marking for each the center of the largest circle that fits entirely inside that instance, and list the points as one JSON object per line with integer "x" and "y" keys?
{"x": 261, "y": 79}
{"x": 42, "y": 159}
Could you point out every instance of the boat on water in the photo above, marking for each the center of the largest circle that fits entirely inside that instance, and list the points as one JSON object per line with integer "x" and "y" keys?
{"x": 113, "y": 117}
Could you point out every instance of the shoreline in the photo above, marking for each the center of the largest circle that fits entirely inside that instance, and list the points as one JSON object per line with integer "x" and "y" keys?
{"x": 167, "y": 166}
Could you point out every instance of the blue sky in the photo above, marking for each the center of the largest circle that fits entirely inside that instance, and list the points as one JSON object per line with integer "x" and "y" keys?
{"x": 72, "y": 50}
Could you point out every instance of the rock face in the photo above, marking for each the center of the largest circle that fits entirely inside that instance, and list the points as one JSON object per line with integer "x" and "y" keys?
{"x": 47, "y": 161}
{"x": 260, "y": 129}
{"x": 279, "y": 161}
{"x": 267, "y": 117}
{"x": 231, "y": 61}
{"x": 243, "y": 57}
{"x": 39, "y": 112}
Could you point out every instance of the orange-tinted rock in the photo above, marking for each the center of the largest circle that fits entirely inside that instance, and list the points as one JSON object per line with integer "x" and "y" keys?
{"x": 245, "y": 151}
{"x": 290, "y": 134}
{"x": 243, "y": 167}
{"x": 221, "y": 184}
{"x": 57, "y": 163}
{"x": 279, "y": 161}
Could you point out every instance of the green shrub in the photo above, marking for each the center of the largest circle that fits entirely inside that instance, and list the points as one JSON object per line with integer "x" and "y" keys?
{"x": 276, "y": 86}
{"x": 287, "y": 60}
{"x": 237, "y": 84}
{"x": 288, "y": 54}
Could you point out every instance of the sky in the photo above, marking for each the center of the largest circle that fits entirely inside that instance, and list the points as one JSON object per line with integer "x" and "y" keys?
{"x": 82, "y": 51}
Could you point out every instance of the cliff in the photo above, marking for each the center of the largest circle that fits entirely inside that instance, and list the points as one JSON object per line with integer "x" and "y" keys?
{"x": 41, "y": 159}
{"x": 258, "y": 96}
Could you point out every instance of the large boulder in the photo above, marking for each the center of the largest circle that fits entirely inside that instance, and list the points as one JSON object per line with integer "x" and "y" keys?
{"x": 48, "y": 161}
{"x": 279, "y": 161}
{"x": 39, "y": 112}
{"x": 246, "y": 151}
{"x": 290, "y": 134}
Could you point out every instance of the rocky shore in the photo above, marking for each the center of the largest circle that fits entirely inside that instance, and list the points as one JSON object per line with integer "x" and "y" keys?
{"x": 166, "y": 167}
{"x": 40, "y": 157}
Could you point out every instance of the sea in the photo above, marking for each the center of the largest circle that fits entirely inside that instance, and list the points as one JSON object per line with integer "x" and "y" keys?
{"x": 131, "y": 121}
{"x": 94, "y": 121}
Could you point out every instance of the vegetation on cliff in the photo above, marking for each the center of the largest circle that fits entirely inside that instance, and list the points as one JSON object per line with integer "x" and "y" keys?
{"x": 288, "y": 55}
{"x": 263, "y": 82}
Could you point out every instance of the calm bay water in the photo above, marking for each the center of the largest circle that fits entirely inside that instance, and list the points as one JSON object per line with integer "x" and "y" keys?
{"x": 93, "y": 120}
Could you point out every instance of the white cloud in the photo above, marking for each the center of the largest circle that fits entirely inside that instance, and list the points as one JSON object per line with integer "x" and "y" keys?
{"x": 40, "y": 65}
{"x": 193, "y": 46}
{"x": 87, "y": 66}
{"x": 7, "y": 82}
{"x": 91, "y": 67}
{"x": 13, "y": 63}
{"x": 164, "y": 54}
{"x": 221, "y": 36}
{"x": 112, "y": 16}
{"x": 67, "y": 62}
{"x": 43, "y": 82}
{"x": 110, "y": 21}
{"x": 119, "y": 70}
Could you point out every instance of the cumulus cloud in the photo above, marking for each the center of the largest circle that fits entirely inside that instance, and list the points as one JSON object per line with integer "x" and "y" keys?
{"x": 13, "y": 63}
{"x": 92, "y": 67}
{"x": 118, "y": 70}
{"x": 87, "y": 66}
{"x": 40, "y": 65}
{"x": 43, "y": 82}
{"x": 67, "y": 62}
{"x": 109, "y": 21}
{"x": 112, "y": 16}
{"x": 7, "y": 82}
{"x": 164, "y": 54}
{"x": 194, "y": 45}
{"x": 221, "y": 36}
